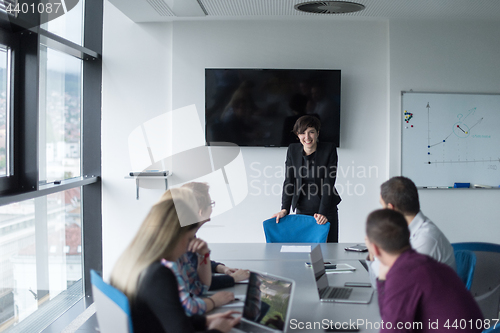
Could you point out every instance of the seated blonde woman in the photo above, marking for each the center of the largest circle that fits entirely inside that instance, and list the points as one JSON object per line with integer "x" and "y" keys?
{"x": 150, "y": 286}
{"x": 231, "y": 275}
{"x": 194, "y": 268}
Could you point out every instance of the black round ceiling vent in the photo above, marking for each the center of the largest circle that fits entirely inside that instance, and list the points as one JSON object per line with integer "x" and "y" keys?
{"x": 329, "y": 7}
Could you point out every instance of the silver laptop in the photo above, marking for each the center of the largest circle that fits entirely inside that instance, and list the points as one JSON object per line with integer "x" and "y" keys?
{"x": 267, "y": 304}
{"x": 327, "y": 293}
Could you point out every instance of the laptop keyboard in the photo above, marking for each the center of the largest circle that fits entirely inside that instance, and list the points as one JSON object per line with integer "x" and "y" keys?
{"x": 337, "y": 293}
{"x": 247, "y": 327}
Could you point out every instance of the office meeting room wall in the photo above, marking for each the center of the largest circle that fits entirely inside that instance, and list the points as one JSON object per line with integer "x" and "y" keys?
{"x": 136, "y": 89}
{"x": 153, "y": 69}
{"x": 359, "y": 49}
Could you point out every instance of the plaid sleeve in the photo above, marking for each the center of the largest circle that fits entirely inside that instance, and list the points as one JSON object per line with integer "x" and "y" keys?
{"x": 189, "y": 288}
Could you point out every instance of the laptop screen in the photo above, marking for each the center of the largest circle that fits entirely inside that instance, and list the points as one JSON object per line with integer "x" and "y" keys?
{"x": 318, "y": 265}
{"x": 267, "y": 301}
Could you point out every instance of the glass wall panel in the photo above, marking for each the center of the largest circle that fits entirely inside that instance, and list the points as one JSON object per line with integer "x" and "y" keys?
{"x": 40, "y": 260}
{"x": 70, "y": 25}
{"x": 18, "y": 283}
{"x": 60, "y": 115}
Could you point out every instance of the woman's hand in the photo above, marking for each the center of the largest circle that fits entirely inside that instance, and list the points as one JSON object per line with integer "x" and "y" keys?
{"x": 198, "y": 246}
{"x": 225, "y": 270}
{"x": 240, "y": 275}
{"x": 281, "y": 214}
{"x": 222, "y": 321}
{"x": 222, "y": 298}
{"x": 320, "y": 219}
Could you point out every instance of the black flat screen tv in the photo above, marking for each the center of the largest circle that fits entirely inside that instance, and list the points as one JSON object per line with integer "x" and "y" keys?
{"x": 258, "y": 107}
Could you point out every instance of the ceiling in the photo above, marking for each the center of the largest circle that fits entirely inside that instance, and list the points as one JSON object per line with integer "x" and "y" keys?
{"x": 174, "y": 10}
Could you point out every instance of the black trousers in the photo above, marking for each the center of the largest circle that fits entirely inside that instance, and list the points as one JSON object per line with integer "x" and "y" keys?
{"x": 333, "y": 218}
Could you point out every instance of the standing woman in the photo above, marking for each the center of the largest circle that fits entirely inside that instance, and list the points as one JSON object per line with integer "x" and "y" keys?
{"x": 311, "y": 169}
{"x": 151, "y": 287}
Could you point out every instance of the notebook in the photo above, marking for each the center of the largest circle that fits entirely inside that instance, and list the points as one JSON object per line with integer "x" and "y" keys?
{"x": 267, "y": 304}
{"x": 328, "y": 293}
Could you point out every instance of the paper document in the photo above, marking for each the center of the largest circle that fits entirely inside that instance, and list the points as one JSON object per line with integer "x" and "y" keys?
{"x": 296, "y": 248}
{"x": 234, "y": 304}
{"x": 338, "y": 272}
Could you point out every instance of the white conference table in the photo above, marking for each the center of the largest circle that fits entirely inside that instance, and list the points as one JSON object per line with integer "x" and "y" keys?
{"x": 305, "y": 306}
{"x": 271, "y": 251}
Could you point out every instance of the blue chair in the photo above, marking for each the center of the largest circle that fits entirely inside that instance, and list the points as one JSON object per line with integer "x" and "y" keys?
{"x": 477, "y": 246}
{"x": 493, "y": 329}
{"x": 295, "y": 228}
{"x": 466, "y": 263}
{"x": 112, "y": 307}
{"x": 485, "y": 285}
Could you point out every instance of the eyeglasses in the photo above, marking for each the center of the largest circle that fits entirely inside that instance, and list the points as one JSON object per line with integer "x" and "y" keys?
{"x": 212, "y": 204}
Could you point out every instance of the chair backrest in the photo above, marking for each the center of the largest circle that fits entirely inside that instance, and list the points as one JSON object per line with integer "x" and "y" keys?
{"x": 477, "y": 246}
{"x": 295, "y": 228}
{"x": 486, "y": 282}
{"x": 493, "y": 329}
{"x": 112, "y": 307}
{"x": 466, "y": 263}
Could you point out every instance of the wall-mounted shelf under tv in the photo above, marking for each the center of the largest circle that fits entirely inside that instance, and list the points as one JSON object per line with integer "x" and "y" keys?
{"x": 148, "y": 174}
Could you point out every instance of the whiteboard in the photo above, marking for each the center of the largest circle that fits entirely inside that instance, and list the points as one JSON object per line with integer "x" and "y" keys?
{"x": 448, "y": 138}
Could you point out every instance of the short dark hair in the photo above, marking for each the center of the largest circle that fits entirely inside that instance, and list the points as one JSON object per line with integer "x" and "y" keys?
{"x": 402, "y": 193}
{"x": 388, "y": 229}
{"x": 305, "y": 122}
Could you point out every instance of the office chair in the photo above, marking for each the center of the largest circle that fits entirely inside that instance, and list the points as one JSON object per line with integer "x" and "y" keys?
{"x": 493, "y": 329}
{"x": 295, "y": 228}
{"x": 486, "y": 282}
{"x": 112, "y": 307}
{"x": 466, "y": 263}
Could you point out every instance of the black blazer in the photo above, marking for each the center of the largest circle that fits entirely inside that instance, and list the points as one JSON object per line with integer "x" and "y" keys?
{"x": 325, "y": 170}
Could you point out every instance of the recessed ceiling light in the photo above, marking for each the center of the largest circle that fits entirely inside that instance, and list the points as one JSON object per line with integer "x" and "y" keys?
{"x": 329, "y": 7}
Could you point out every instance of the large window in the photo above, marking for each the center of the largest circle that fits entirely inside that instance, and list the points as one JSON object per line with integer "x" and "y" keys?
{"x": 69, "y": 25}
{"x": 50, "y": 165}
{"x": 41, "y": 258}
{"x": 60, "y": 115}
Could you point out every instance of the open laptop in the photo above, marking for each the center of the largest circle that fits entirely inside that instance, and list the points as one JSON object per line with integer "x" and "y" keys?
{"x": 327, "y": 293}
{"x": 267, "y": 304}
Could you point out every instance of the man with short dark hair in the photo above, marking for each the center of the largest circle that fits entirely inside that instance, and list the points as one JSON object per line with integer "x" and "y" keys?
{"x": 401, "y": 194}
{"x": 415, "y": 292}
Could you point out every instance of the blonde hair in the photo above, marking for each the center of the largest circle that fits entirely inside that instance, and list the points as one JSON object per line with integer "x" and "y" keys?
{"x": 200, "y": 191}
{"x": 156, "y": 238}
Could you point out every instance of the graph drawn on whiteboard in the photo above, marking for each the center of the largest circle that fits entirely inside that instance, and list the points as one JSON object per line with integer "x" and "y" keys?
{"x": 450, "y": 138}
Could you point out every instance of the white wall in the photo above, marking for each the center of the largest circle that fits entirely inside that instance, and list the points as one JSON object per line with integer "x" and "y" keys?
{"x": 447, "y": 57}
{"x": 359, "y": 49}
{"x": 136, "y": 88}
